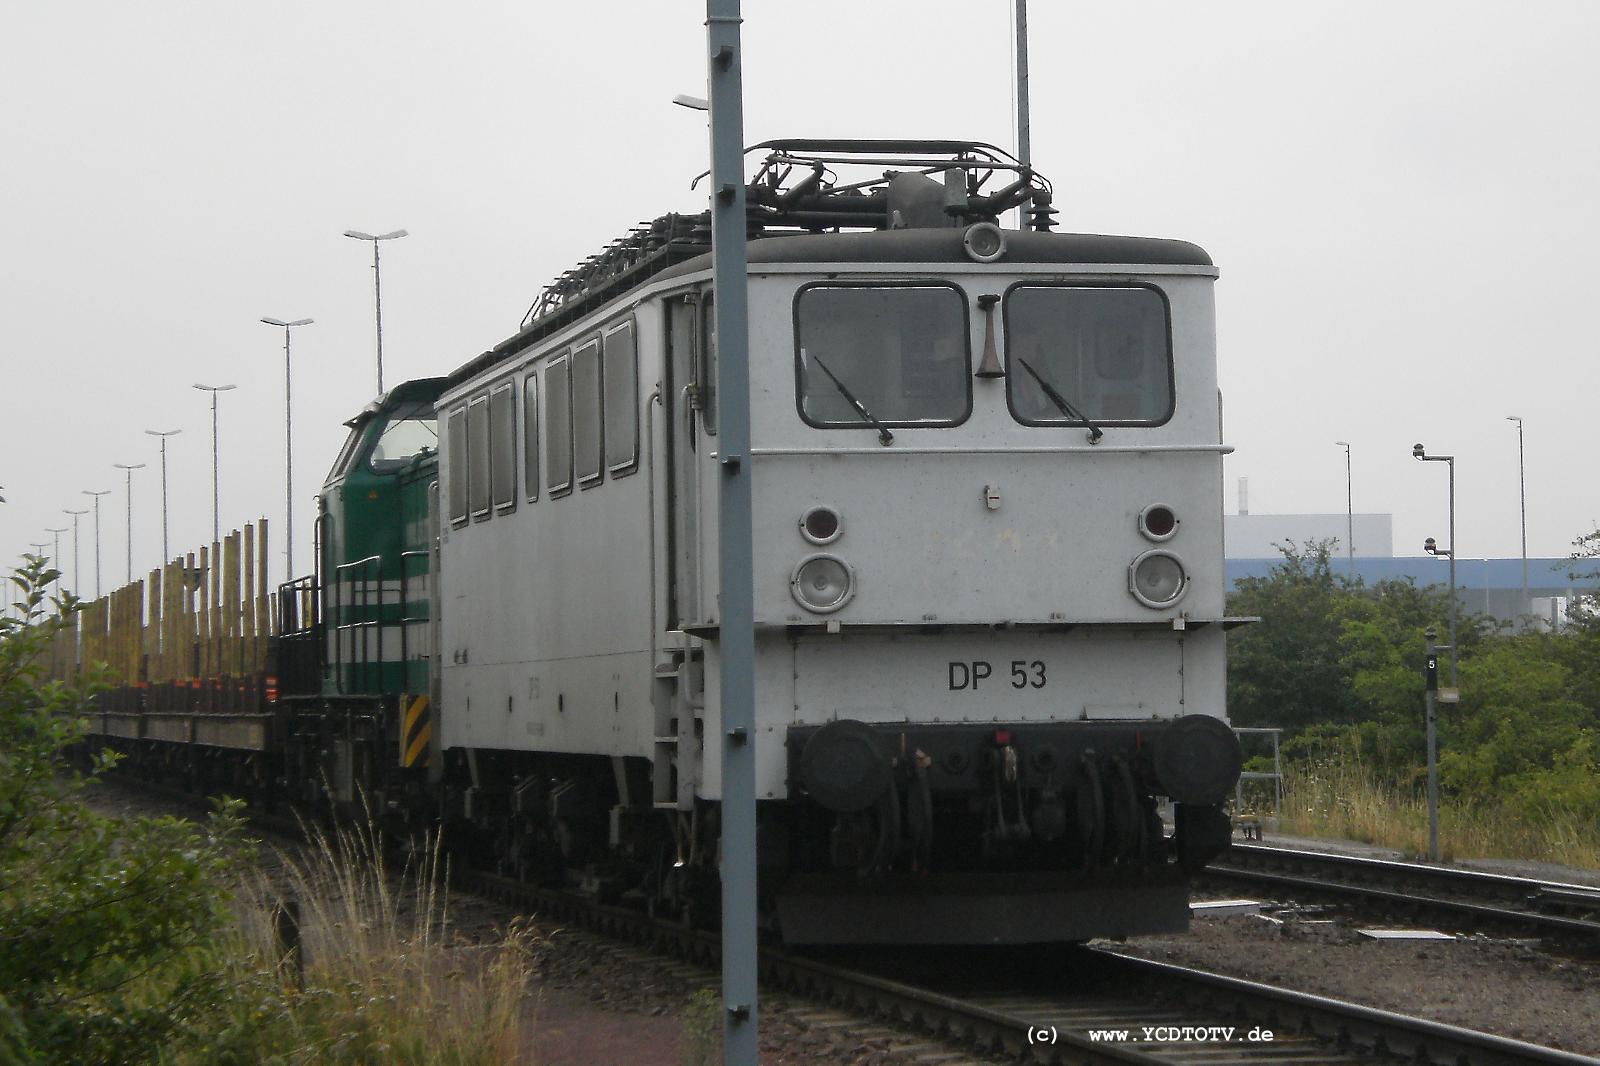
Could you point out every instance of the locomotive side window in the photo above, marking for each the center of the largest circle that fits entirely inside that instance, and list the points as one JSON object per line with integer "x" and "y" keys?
{"x": 558, "y": 425}
{"x": 1105, "y": 349}
{"x": 586, "y": 425}
{"x": 530, "y": 435}
{"x": 900, "y": 352}
{"x": 478, "y": 456}
{"x": 350, "y": 443}
{"x": 456, "y": 436}
{"x": 503, "y": 447}
{"x": 621, "y": 379}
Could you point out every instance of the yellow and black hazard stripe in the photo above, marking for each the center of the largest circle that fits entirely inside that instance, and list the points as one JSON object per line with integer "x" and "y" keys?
{"x": 416, "y": 731}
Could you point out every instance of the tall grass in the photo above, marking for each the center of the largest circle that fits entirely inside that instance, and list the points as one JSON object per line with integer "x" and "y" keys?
{"x": 1347, "y": 799}
{"x": 384, "y": 978}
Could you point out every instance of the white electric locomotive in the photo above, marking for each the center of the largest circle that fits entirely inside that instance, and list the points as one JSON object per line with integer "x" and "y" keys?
{"x": 988, "y": 563}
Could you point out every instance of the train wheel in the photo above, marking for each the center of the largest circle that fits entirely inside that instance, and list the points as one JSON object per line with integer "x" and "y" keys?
{"x": 1091, "y": 812}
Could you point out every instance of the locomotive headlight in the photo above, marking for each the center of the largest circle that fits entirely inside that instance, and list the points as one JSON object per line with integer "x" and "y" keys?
{"x": 984, "y": 242}
{"x": 1157, "y": 522}
{"x": 1157, "y": 579}
{"x": 822, "y": 583}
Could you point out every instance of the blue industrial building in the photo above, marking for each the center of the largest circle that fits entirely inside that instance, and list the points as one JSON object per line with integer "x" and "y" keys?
{"x": 1486, "y": 586}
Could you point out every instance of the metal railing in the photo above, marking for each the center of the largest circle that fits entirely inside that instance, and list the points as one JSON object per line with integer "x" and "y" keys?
{"x": 357, "y": 623}
{"x": 1276, "y": 776}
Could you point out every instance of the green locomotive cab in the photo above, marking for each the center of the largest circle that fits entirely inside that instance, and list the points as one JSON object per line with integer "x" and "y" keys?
{"x": 373, "y": 534}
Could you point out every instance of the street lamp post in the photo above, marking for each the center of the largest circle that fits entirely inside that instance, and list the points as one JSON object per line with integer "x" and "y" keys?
{"x": 1349, "y": 509}
{"x": 55, "y": 560}
{"x": 1431, "y": 704}
{"x": 377, "y": 285}
{"x": 130, "y": 468}
{"x": 1433, "y": 549}
{"x": 288, "y": 443}
{"x": 77, "y": 571}
{"x": 163, "y": 434}
{"x": 97, "y": 494}
{"x": 1522, "y": 492}
{"x": 216, "y": 491}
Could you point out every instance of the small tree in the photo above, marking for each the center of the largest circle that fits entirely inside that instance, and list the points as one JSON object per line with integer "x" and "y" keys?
{"x": 104, "y": 923}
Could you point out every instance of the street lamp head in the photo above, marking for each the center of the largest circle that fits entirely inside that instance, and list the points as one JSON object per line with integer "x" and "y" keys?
{"x": 286, "y": 325}
{"x": 215, "y": 388}
{"x": 1514, "y": 418}
{"x": 96, "y": 492}
{"x": 693, "y": 103}
{"x": 1430, "y": 546}
{"x": 1341, "y": 444}
{"x": 1417, "y": 451}
{"x": 128, "y": 466}
{"x": 68, "y": 510}
{"x": 360, "y": 236}
{"x": 163, "y": 432}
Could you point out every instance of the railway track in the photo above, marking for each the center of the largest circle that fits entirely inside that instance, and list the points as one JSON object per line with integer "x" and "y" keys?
{"x": 1437, "y": 893}
{"x": 1065, "y": 1004}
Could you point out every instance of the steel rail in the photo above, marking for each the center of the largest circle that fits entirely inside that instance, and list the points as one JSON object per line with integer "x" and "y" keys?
{"x": 1502, "y": 899}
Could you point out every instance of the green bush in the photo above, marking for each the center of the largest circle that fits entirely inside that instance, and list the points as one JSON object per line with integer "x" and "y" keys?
{"x": 106, "y": 925}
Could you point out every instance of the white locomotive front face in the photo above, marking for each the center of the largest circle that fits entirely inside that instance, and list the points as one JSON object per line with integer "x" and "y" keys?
{"x": 989, "y": 562}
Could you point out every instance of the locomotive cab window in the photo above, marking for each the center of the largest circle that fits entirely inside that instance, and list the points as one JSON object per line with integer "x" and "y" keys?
{"x": 456, "y": 433}
{"x": 410, "y": 432}
{"x": 350, "y": 442}
{"x": 503, "y": 447}
{"x": 898, "y": 352}
{"x": 1106, "y": 350}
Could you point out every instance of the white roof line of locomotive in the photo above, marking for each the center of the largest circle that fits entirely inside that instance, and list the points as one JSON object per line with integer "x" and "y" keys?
{"x": 651, "y": 289}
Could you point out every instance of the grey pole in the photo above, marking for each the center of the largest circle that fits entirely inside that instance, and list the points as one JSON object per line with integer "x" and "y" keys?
{"x": 377, "y": 285}
{"x": 736, "y": 635}
{"x": 288, "y": 440}
{"x": 77, "y": 571}
{"x": 1522, "y": 492}
{"x": 55, "y": 560}
{"x": 96, "y": 495}
{"x": 1419, "y": 452}
{"x": 1453, "y": 608}
{"x": 163, "y": 434}
{"x": 216, "y": 481}
{"x": 130, "y": 468}
{"x": 1349, "y": 510}
{"x": 1024, "y": 136}
{"x": 1433, "y": 749}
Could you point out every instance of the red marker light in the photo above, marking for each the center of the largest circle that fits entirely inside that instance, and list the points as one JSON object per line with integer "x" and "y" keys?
{"x": 1002, "y": 737}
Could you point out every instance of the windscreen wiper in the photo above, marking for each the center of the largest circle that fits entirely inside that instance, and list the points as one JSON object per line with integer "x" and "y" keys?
{"x": 884, "y": 436}
{"x": 1061, "y": 403}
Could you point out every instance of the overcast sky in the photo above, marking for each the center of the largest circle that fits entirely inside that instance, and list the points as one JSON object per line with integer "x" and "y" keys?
{"x": 1402, "y": 200}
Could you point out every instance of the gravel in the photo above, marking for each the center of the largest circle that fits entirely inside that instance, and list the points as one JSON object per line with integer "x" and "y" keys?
{"x": 1513, "y": 988}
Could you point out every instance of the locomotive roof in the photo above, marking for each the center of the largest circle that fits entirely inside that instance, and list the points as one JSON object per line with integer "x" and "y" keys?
{"x": 913, "y": 198}
{"x": 920, "y": 246}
